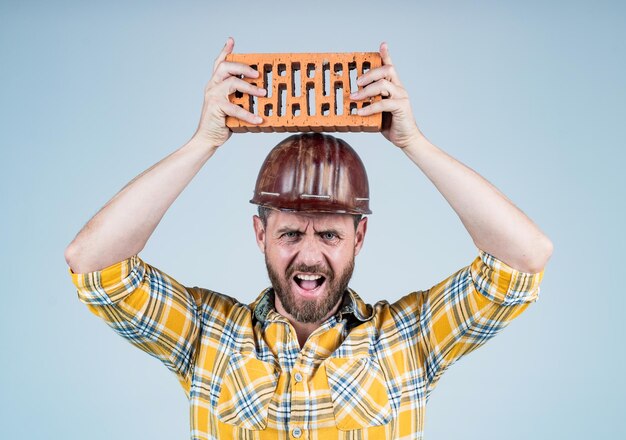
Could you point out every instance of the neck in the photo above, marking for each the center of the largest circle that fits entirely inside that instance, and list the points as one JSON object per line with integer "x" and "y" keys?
{"x": 304, "y": 329}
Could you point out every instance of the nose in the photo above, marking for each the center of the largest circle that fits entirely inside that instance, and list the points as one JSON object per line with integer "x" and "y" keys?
{"x": 310, "y": 252}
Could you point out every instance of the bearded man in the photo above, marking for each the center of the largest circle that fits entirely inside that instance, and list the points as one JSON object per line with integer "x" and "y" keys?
{"x": 308, "y": 358}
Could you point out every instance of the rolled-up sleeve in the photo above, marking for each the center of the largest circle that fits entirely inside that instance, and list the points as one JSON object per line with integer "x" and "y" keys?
{"x": 501, "y": 283}
{"x": 148, "y": 308}
{"x": 464, "y": 311}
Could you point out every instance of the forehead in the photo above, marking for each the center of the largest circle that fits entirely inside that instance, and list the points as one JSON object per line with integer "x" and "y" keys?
{"x": 281, "y": 219}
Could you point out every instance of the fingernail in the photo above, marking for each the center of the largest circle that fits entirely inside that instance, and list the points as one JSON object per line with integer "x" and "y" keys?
{"x": 359, "y": 112}
{"x": 354, "y": 95}
{"x": 258, "y": 119}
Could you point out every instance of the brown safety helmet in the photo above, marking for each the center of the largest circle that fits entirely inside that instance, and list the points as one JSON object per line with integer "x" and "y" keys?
{"x": 313, "y": 172}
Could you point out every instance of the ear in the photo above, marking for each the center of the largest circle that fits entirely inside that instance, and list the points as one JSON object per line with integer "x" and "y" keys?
{"x": 359, "y": 236}
{"x": 259, "y": 232}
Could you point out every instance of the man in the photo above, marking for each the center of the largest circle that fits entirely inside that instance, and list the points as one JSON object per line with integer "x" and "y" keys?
{"x": 308, "y": 359}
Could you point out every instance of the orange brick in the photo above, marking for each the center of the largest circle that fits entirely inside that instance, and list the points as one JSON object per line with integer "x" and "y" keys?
{"x": 306, "y": 92}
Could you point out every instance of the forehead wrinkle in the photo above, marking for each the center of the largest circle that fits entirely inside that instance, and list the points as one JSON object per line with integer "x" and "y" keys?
{"x": 303, "y": 221}
{"x": 294, "y": 224}
{"x": 318, "y": 224}
{"x": 328, "y": 225}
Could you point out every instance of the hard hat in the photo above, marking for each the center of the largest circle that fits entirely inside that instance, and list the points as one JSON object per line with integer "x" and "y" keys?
{"x": 313, "y": 172}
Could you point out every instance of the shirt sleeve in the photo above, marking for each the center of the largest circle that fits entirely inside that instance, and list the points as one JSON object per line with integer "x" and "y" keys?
{"x": 148, "y": 308}
{"x": 464, "y": 311}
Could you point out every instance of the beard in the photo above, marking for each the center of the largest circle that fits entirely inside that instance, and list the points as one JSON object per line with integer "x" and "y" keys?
{"x": 310, "y": 311}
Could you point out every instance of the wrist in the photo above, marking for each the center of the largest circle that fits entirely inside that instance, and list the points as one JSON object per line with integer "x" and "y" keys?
{"x": 198, "y": 142}
{"x": 417, "y": 147}
{"x": 415, "y": 141}
{"x": 200, "y": 146}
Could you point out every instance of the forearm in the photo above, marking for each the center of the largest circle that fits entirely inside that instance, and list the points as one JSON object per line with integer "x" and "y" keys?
{"x": 494, "y": 223}
{"x": 124, "y": 225}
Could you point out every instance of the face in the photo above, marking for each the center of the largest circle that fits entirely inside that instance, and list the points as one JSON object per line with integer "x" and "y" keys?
{"x": 309, "y": 258}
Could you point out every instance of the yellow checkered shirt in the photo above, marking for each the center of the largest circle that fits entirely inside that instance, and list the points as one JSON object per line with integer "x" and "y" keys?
{"x": 366, "y": 373}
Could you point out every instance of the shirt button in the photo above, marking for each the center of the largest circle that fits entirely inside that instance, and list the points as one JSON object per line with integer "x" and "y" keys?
{"x": 298, "y": 377}
{"x": 297, "y": 432}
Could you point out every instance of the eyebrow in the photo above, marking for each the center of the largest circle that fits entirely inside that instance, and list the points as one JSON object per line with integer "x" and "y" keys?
{"x": 332, "y": 230}
{"x": 292, "y": 228}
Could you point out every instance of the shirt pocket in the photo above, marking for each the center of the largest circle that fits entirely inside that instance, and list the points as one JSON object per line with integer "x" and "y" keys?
{"x": 358, "y": 391}
{"x": 247, "y": 389}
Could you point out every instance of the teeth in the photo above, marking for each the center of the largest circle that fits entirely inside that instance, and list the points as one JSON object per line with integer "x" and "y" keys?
{"x": 309, "y": 277}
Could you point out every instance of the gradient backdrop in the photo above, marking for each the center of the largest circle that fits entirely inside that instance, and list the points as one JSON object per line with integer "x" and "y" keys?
{"x": 530, "y": 94}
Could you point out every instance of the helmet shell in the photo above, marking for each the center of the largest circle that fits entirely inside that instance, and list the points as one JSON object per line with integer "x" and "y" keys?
{"x": 313, "y": 172}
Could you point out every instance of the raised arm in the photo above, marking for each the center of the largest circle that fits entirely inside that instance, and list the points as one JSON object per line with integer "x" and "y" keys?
{"x": 123, "y": 226}
{"x": 495, "y": 224}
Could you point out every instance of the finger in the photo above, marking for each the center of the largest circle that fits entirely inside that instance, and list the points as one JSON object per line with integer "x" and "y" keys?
{"x": 227, "y": 49}
{"x": 384, "y": 105}
{"x": 387, "y": 72}
{"x": 226, "y": 69}
{"x": 381, "y": 87}
{"x": 235, "y": 111}
{"x": 235, "y": 84}
{"x": 384, "y": 53}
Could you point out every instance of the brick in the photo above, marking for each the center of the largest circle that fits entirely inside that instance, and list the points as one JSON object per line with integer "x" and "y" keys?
{"x": 306, "y": 92}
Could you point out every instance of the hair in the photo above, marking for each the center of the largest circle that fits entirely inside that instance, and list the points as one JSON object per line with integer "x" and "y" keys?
{"x": 264, "y": 213}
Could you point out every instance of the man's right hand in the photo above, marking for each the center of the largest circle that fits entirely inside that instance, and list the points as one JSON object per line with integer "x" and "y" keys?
{"x": 226, "y": 80}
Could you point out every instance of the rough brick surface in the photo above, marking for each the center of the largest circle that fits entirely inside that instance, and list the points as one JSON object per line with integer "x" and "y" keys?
{"x": 306, "y": 92}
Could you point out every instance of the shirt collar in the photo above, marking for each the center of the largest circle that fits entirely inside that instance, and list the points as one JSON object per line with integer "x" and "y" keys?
{"x": 263, "y": 307}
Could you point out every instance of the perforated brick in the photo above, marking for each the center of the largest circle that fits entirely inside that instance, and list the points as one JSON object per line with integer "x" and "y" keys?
{"x": 306, "y": 92}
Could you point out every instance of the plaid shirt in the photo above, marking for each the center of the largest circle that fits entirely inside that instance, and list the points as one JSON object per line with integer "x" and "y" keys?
{"x": 366, "y": 373}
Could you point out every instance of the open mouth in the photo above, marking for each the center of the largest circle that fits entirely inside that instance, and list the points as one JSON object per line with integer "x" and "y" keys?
{"x": 309, "y": 282}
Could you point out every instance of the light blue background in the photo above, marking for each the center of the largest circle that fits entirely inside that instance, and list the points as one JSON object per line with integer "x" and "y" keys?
{"x": 530, "y": 94}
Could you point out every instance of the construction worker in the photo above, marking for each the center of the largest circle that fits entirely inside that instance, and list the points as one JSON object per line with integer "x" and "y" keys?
{"x": 308, "y": 358}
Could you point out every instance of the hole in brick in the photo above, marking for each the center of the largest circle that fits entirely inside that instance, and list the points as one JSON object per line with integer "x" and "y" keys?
{"x": 267, "y": 79}
{"x": 295, "y": 109}
{"x": 338, "y": 69}
{"x": 296, "y": 82}
{"x": 326, "y": 78}
{"x": 352, "y": 73}
{"x": 281, "y": 109}
{"x": 365, "y": 104}
{"x": 353, "y": 108}
{"x": 253, "y": 105}
{"x": 282, "y": 70}
{"x": 366, "y": 66}
{"x": 310, "y": 99}
{"x": 238, "y": 94}
{"x": 254, "y": 66}
{"x": 310, "y": 70}
{"x": 252, "y": 102}
{"x": 268, "y": 109}
{"x": 325, "y": 109}
{"x": 339, "y": 98}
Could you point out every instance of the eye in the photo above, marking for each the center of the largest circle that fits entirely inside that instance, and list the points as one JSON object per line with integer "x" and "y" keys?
{"x": 328, "y": 235}
{"x": 291, "y": 235}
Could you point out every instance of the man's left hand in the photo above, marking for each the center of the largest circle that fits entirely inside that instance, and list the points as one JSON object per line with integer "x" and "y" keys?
{"x": 399, "y": 125}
